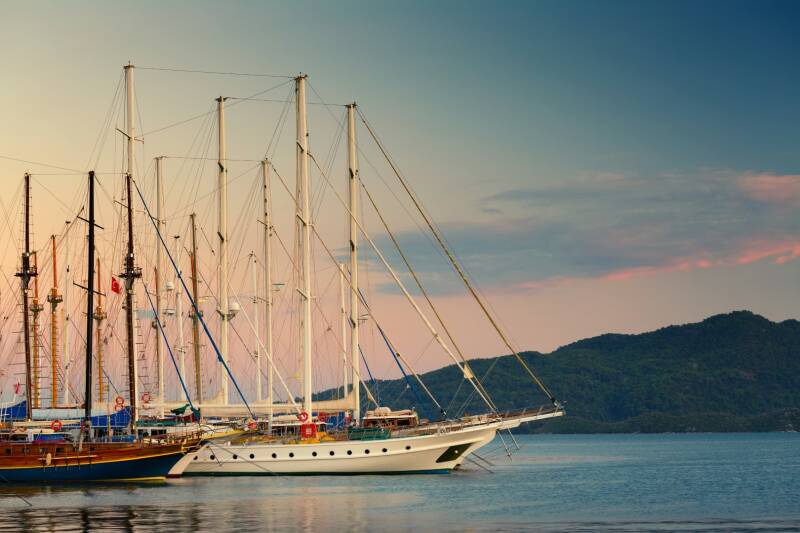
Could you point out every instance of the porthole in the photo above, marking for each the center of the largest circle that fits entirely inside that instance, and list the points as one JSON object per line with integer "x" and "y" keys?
{"x": 291, "y": 455}
{"x": 366, "y": 451}
{"x": 331, "y": 452}
{"x": 235, "y": 456}
{"x": 274, "y": 455}
{"x": 349, "y": 452}
{"x": 408, "y": 447}
{"x": 195, "y": 458}
{"x": 313, "y": 454}
{"x": 212, "y": 457}
{"x": 384, "y": 450}
{"x": 252, "y": 456}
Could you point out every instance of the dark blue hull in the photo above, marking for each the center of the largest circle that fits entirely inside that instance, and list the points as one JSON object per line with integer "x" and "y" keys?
{"x": 141, "y": 468}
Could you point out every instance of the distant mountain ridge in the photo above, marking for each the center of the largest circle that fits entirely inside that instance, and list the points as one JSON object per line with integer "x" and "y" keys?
{"x": 731, "y": 372}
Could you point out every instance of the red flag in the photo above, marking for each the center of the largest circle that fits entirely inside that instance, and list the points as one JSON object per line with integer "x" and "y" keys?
{"x": 17, "y": 388}
{"x": 115, "y": 285}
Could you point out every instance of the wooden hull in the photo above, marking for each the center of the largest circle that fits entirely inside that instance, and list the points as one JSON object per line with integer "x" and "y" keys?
{"x": 34, "y": 462}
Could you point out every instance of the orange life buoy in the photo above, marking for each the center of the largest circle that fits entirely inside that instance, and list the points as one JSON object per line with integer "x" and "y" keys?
{"x": 118, "y": 407}
{"x": 146, "y": 397}
{"x": 56, "y": 425}
{"x": 302, "y": 416}
{"x": 252, "y": 425}
{"x": 119, "y": 400}
{"x": 322, "y": 417}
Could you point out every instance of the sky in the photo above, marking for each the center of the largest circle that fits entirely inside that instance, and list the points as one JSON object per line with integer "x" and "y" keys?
{"x": 597, "y": 167}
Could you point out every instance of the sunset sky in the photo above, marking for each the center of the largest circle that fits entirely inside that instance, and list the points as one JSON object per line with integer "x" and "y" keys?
{"x": 597, "y": 166}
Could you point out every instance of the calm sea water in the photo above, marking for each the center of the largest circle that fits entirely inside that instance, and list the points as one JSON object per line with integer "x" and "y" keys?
{"x": 711, "y": 482}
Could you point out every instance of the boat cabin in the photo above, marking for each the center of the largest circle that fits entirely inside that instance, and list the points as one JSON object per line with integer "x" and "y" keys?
{"x": 383, "y": 417}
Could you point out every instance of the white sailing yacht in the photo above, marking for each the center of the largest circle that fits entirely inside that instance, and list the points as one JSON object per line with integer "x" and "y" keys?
{"x": 384, "y": 442}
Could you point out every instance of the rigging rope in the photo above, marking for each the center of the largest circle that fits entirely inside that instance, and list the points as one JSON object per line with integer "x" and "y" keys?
{"x": 456, "y": 265}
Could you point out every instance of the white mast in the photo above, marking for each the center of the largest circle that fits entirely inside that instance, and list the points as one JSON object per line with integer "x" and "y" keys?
{"x": 130, "y": 134}
{"x": 352, "y": 162}
{"x": 222, "y": 233}
{"x": 267, "y": 221}
{"x": 179, "y": 311}
{"x": 304, "y": 227}
{"x": 159, "y": 282}
{"x": 65, "y": 310}
{"x": 343, "y": 315}
{"x": 257, "y": 350}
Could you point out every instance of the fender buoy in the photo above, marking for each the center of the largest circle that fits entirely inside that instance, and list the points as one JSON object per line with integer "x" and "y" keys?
{"x": 119, "y": 400}
{"x": 302, "y": 416}
{"x": 146, "y": 397}
{"x": 322, "y": 417}
{"x": 56, "y": 425}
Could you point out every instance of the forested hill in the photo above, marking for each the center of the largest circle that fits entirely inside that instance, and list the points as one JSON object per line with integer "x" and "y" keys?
{"x": 731, "y": 372}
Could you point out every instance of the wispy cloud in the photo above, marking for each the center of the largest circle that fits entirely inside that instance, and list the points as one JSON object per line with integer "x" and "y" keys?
{"x": 615, "y": 227}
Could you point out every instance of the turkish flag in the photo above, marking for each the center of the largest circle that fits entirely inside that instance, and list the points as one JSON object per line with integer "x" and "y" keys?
{"x": 17, "y": 388}
{"x": 115, "y": 287}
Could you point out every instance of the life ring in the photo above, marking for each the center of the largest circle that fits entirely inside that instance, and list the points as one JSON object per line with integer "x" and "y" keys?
{"x": 252, "y": 425}
{"x": 118, "y": 407}
{"x": 302, "y": 416}
{"x": 146, "y": 398}
{"x": 322, "y": 417}
{"x": 119, "y": 400}
{"x": 56, "y": 425}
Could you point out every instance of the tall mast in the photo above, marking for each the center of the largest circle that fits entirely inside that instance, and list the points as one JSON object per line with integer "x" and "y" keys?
{"x": 267, "y": 221}
{"x": 25, "y": 274}
{"x": 36, "y": 308}
{"x": 198, "y": 383}
{"x": 54, "y": 298}
{"x": 131, "y": 272}
{"x": 179, "y": 310}
{"x": 257, "y": 342}
{"x": 99, "y": 316}
{"x": 304, "y": 230}
{"x": 343, "y": 315}
{"x": 89, "y": 311}
{"x": 222, "y": 233}
{"x": 352, "y": 162}
{"x": 65, "y": 313}
{"x": 159, "y": 283}
{"x": 130, "y": 275}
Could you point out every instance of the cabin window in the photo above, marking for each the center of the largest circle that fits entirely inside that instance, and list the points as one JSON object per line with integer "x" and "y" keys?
{"x": 384, "y": 450}
{"x": 195, "y": 458}
{"x": 212, "y": 457}
{"x": 291, "y": 454}
{"x": 366, "y": 451}
{"x": 235, "y": 456}
{"x": 253, "y": 456}
{"x": 408, "y": 447}
{"x": 349, "y": 452}
{"x": 331, "y": 452}
{"x": 313, "y": 454}
{"x": 274, "y": 455}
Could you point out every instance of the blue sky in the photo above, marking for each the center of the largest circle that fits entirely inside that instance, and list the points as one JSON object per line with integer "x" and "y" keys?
{"x": 575, "y": 153}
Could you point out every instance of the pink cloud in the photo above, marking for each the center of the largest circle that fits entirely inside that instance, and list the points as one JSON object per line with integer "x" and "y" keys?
{"x": 780, "y": 252}
{"x": 772, "y": 188}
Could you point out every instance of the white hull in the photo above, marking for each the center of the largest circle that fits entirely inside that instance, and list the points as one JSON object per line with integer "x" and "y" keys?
{"x": 437, "y": 452}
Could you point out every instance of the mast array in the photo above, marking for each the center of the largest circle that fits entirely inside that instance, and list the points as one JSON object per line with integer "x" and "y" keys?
{"x": 256, "y": 347}
{"x": 25, "y": 274}
{"x": 304, "y": 235}
{"x": 36, "y": 309}
{"x": 159, "y": 273}
{"x": 267, "y": 236}
{"x": 54, "y": 298}
{"x": 198, "y": 382}
{"x": 353, "y": 184}
{"x": 222, "y": 234}
{"x": 89, "y": 311}
{"x": 99, "y": 316}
